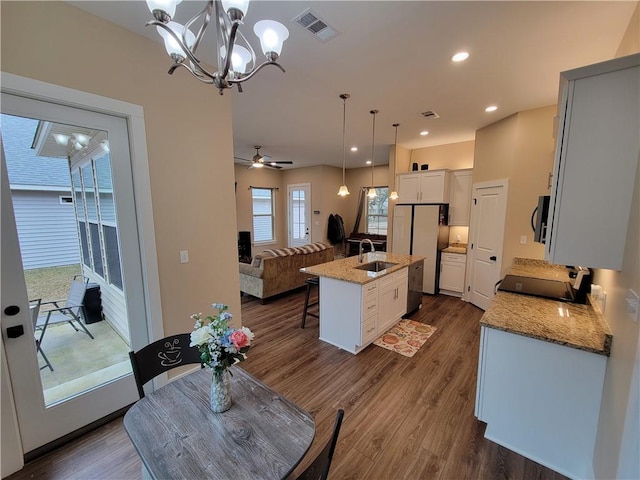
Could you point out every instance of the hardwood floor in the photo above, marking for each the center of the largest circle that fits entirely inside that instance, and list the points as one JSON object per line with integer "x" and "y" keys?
{"x": 405, "y": 418}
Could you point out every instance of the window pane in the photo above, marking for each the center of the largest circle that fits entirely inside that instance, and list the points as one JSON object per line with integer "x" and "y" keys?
{"x": 377, "y": 211}
{"x": 84, "y": 243}
{"x": 105, "y": 189}
{"x": 263, "y": 218}
{"x": 89, "y": 193}
{"x": 96, "y": 254}
{"x": 113, "y": 255}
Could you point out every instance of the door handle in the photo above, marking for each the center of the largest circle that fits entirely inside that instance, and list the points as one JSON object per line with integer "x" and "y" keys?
{"x": 494, "y": 258}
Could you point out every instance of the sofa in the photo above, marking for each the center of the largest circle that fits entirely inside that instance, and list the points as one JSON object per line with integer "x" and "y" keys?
{"x": 272, "y": 272}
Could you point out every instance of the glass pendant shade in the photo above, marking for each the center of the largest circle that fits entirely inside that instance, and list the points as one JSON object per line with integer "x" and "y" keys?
{"x": 170, "y": 44}
{"x": 242, "y": 5}
{"x": 344, "y": 191}
{"x": 167, "y": 6}
{"x": 393, "y": 195}
{"x": 272, "y": 36}
{"x": 240, "y": 58}
{"x": 372, "y": 193}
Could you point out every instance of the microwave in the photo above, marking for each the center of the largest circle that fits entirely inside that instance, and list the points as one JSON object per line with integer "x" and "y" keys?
{"x": 539, "y": 219}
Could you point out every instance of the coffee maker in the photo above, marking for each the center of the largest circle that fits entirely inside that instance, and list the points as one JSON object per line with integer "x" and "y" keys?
{"x": 580, "y": 283}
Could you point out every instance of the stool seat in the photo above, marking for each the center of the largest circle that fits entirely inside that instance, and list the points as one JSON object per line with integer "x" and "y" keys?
{"x": 311, "y": 281}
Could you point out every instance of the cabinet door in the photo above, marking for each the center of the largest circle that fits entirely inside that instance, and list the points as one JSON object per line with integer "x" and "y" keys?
{"x": 408, "y": 188}
{"x": 460, "y": 197}
{"x": 595, "y": 165}
{"x": 434, "y": 187}
{"x": 452, "y": 276}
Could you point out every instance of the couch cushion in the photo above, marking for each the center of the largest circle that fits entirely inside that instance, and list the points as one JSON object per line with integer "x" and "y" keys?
{"x": 250, "y": 270}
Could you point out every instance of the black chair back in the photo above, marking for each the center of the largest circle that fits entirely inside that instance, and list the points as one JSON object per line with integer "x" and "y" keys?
{"x": 319, "y": 468}
{"x": 160, "y": 356}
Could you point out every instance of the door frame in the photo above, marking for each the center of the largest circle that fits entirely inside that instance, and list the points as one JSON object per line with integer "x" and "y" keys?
{"x": 134, "y": 115}
{"x": 307, "y": 188}
{"x": 471, "y": 253}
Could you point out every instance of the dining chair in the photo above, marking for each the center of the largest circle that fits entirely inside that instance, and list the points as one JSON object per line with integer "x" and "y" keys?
{"x": 162, "y": 355}
{"x": 70, "y": 313}
{"x": 319, "y": 468}
{"x": 34, "y": 307}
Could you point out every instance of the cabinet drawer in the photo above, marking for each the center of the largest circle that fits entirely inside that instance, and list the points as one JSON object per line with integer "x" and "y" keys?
{"x": 369, "y": 330}
{"x": 370, "y": 307}
{"x": 453, "y": 258}
{"x": 370, "y": 290}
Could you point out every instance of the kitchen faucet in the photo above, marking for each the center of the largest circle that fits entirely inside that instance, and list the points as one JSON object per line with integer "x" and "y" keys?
{"x": 360, "y": 254}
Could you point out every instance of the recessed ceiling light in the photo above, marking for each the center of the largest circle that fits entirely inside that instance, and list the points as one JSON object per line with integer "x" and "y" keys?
{"x": 491, "y": 108}
{"x": 424, "y": 132}
{"x": 460, "y": 57}
{"x": 368, "y": 162}
{"x": 354, "y": 149}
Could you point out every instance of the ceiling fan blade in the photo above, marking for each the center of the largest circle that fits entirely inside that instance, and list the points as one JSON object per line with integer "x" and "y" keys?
{"x": 282, "y": 162}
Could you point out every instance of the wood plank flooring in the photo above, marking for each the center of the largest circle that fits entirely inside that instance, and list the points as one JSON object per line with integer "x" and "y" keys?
{"x": 405, "y": 418}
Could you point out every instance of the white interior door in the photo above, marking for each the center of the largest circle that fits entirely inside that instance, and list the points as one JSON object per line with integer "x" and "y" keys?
{"x": 299, "y": 214}
{"x": 41, "y": 421}
{"x": 488, "y": 215}
{"x": 425, "y": 243}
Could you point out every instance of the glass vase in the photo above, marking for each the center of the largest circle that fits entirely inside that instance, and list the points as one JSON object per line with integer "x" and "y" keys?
{"x": 220, "y": 399}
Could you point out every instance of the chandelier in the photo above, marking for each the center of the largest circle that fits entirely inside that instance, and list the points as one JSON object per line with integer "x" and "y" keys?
{"x": 236, "y": 59}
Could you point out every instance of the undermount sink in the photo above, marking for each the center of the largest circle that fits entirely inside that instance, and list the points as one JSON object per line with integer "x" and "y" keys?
{"x": 376, "y": 266}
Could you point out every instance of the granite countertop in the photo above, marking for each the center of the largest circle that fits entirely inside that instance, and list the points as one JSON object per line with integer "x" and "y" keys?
{"x": 575, "y": 325}
{"x": 459, "y": 248}
{"x": 344, "y": 269}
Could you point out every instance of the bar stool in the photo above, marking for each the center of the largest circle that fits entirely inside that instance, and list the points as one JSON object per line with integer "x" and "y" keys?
{"x": 310, "y": 283}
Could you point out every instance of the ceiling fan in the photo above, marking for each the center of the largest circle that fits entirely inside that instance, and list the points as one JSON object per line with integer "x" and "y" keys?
{"x": 259, "y": 161}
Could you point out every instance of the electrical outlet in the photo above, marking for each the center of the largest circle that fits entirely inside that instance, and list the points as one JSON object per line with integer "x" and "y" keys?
{"x": 523, "y": 239}
{"x": 184, "y": 256}
{"x": 632, "y": 304}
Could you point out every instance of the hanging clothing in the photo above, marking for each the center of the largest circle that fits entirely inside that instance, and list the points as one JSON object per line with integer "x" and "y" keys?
{"x": 335, "y": 230}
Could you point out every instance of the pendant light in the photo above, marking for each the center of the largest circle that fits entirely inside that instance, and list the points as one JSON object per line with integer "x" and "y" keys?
{"x": 372, "y": 191}
{"x": 394, "y": 195}
{"x": 344, "y": 191}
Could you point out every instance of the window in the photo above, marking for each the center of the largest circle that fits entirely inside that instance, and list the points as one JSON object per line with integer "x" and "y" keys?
{"x": 263, "y": 215}
{"x": 377, "y": 211}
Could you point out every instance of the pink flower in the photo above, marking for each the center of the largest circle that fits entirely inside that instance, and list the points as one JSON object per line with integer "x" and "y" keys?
{"x": 239, "y": 339}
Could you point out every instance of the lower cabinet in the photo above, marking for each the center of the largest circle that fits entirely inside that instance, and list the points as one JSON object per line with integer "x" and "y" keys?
{"x": 452, "y": 271}
{"x": 353, "y": 315}
{"x": 540, "y": 399}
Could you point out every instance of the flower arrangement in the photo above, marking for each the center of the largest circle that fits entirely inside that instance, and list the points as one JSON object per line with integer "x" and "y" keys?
{"x": 220, "y": 346}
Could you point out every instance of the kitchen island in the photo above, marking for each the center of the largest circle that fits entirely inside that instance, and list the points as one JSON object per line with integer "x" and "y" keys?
{"x": 541, "y": 374}
{"x": 358, "y": 305}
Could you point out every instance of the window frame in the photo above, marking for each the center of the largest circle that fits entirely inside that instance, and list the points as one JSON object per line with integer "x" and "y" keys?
{"x": 258, "y": 240}
{"x": 380, "y": 191}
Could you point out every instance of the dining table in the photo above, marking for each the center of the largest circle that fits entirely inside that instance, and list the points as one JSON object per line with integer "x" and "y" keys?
{"x": 262, "y": 436}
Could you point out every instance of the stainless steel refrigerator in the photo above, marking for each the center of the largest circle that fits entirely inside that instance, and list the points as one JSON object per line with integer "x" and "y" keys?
{"x": 422, "y": 230}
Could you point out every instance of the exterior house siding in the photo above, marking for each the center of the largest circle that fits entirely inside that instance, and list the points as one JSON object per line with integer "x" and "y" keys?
{"x": 46, "y": 229}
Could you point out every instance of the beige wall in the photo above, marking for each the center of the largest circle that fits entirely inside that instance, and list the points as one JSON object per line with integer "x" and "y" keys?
{"x": 189, "y": 149}
{"x": 616, "y": 452}
{"x": 520, "y": 148}
{"x": 454, "y": 156}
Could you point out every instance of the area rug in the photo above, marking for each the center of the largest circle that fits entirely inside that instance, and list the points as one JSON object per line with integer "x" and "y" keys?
{"x": 406, "y": 337}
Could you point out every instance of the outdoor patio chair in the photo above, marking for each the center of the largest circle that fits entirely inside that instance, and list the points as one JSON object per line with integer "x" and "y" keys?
{"x": 69, "y": 313}
{"x": 34, "y": 307}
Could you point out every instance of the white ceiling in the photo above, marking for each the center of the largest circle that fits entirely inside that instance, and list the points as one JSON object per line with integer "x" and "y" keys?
{"x": 394, "y": 56}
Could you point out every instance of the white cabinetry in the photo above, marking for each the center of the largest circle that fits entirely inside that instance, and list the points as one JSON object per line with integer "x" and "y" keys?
{"x": 424, "y": 187}
{"x": 460, "y": 197}
{"x": 354, "y": 315}
{"x": 452, "y": 270}
{"x": 392, "y": 299}
{"x": 540, "y": 399}
{"x": 595, "y": 164}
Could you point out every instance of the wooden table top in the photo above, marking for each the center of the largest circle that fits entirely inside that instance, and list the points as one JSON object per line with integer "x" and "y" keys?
{"x": 263, "y": 435}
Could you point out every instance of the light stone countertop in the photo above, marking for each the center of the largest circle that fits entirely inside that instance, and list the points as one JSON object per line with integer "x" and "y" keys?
{"x": 575, "y": 325}
{"x": 458, "y": 250}
{"x": 344, "y": 268}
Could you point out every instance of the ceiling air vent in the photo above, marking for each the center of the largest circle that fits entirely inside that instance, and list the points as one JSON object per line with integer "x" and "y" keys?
{"x": 430, "y": 114}
{"x": 311, "y": 22}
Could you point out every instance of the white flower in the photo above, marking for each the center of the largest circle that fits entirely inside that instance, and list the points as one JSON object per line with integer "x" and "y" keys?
{"x": 248, "y": 333}
{"x": 200, "y": 336}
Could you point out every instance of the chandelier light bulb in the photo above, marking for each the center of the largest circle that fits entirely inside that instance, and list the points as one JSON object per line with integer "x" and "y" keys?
{"x": 170, "y": 44}
{"x": 166, "y": 6}
{"x": 272, "y": 36}
{"x": 240, "y": 58}
{"x": 241, "y": 5}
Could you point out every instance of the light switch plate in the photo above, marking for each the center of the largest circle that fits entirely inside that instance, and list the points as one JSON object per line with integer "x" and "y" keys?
{"x": 184, "y": 256}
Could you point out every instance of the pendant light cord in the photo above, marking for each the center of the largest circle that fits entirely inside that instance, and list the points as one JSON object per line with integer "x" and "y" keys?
{"x": 344, "y": 129}
{"x": 373, "y": 143}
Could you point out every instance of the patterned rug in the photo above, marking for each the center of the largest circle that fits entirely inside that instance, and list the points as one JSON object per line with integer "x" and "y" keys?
{"x": 406, "y": 337}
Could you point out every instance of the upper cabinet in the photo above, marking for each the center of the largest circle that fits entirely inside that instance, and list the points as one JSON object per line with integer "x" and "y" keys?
{"x": 430, "y": 186}
{"x": 595, "y": 164}
{"x": 460, "y": 197}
